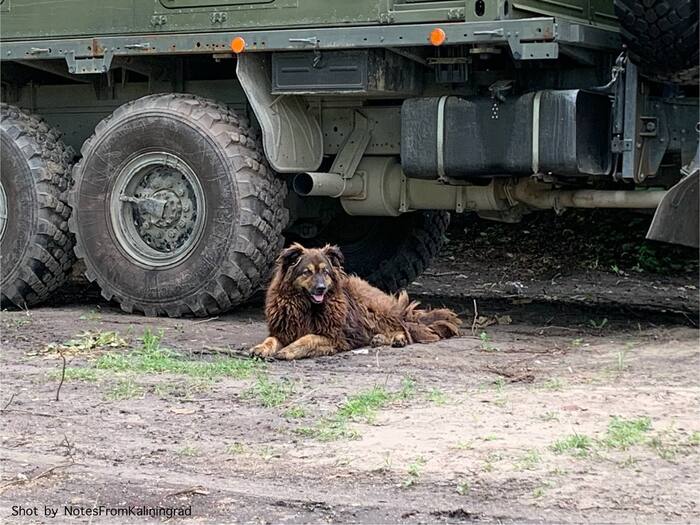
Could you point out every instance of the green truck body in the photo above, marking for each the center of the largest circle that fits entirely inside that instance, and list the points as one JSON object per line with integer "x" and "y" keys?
{"x": 366, "y": 120}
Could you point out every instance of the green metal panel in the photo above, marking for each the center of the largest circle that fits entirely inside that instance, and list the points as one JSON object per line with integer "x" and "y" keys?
{"x": 592, "y": 11}
{"x": 28, "y": 19}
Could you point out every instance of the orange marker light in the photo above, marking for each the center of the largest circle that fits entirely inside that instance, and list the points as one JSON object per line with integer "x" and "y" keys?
{"x": 238, "y": 45}
{"x": 437, "y": 37}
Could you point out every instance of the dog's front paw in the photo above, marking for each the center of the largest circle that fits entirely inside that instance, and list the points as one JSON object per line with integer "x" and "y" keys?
{"x": 399, "y": 340}
{"x": 379, "y": 340}
{"x": 267, "y": 348}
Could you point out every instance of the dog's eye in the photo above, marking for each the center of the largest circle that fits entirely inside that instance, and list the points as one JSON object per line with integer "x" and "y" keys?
{"x": 306, "y": 272}
{"x": 326, "y": 271}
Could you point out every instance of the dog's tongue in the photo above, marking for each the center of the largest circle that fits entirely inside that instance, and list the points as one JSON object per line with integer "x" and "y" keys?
{"x": 318, "y": 297}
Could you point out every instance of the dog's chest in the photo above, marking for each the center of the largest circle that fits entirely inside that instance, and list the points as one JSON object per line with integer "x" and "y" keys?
{"x": 288, "y": 321}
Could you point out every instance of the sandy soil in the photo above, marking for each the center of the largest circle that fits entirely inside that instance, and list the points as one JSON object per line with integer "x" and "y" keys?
{"x": 512, "y": 422}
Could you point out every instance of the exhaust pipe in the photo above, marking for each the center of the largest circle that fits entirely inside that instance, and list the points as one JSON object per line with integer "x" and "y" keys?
{"x": 380, "y": 188}
{"x": 313, "y": 184}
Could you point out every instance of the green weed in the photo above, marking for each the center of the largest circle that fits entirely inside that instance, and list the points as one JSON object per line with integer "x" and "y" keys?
{"x": 75, "y": 374}
{"x": 408, "y": 388}
{"x": 486, "y": 345}
{"x": 413, "y": 472}
{"x": 151, "y": 357}
{"x": 188, "y": 451}
{"x": 529, "y": 460}
{"x": 236, "y": 449}
{"x": 437, "y": 396}
{"x": 364, "y": 405}
{"x": 294, "y": 412}
{"x": 550, "y": 416}
{"x": 624, "y": 433}
{"x": 361, "y": 406}
{"x": 463, "y": 488}
{"x": 576, "y": 444}
{"x": 270, "y": 393}
{"x": 125, "y": 389}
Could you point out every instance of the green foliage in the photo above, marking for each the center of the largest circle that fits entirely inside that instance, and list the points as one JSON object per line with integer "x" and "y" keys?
{"x": 151, "y": 357}
{"x": 125, "y": 389}
{"x": 576, "y": 444}
{"x": 270, "y": 393}
{"x": 623, "y": 433}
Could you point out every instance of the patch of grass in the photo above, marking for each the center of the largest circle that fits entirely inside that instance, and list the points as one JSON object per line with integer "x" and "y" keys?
{"x": 539, "y": 491}
{"x": 408, "y": 388}
{"x": 486, "y": 345}
{"x": 490, "y": 437}
{"x": 437, "y": 396}
{"x": 576, "y": 445}
{"x": 364, "y": 405}
{"x": 295, "y": 412}
{"x": 554, "y": 384}
{"x": 529, "y": 460}
{"x": 151, "y": 357}
{"x": 500, "y": 402}
{"x": 577, "y": 342}
{"x": 188, "y": 451}
{"x": 361, "y": 406}
{"x": 125, "y": 389}
{"x": 464, "y": 445}
{"x": 76, "y": 374}
{"x": 694, "y": 439}
{"x": 624, "y": 433}
{"x": 270, "y": 393}
{"x": 413, "y": 472}
{"x": 267, "y": 453}
{"x": 463, "y": 488}
{"x": 550, "y": 416}
{"x": 499, "y": 383}
{"x": 669, "y": 444}
{"x": 621, "y": 357}
{"x": 491, "y": 459}
{"x": 663, "y": 448}
{"x": 236, "y": 449}
{"x": 328, "y": 429}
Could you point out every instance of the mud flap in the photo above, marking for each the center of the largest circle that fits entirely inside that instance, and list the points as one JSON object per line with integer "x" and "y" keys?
{"x": 676, "y": 219}
{"x": 292, "y": 136}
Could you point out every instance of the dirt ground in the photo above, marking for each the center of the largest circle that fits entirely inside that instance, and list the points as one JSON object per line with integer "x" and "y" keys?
{"x": 571, "y": 396}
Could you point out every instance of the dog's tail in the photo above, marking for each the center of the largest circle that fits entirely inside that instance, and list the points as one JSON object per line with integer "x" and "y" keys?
{"x": 427, "y": 326}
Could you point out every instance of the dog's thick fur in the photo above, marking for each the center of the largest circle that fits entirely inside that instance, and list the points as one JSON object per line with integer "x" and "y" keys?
{"x": 314, "y": 308}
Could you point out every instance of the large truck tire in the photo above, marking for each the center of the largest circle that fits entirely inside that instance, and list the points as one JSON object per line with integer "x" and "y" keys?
{"x": 176, "y": 211}
{"x": 662, "y": 37}
{"x": 389, "y": 252}
{"x": 36, "y": 248}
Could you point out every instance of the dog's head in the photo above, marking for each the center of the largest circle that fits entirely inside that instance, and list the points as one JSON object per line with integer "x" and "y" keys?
{"x": 312, "y": 272}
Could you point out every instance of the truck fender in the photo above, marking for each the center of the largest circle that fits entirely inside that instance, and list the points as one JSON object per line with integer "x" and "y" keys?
{"x": 292, "y": 136}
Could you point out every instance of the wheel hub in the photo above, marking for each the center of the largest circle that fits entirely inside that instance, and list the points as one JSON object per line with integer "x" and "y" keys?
{"x": 159, "y": 215}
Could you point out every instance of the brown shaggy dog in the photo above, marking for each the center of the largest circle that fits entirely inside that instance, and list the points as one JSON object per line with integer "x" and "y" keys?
{"x": 314, "y": 308}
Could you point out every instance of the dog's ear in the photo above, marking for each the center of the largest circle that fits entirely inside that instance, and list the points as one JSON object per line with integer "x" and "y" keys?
{"x": 335, "y": 256}
{"x": 290, "y": 256}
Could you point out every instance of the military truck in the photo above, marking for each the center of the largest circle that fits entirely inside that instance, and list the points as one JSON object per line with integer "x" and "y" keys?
{"x": 172, "y": 146}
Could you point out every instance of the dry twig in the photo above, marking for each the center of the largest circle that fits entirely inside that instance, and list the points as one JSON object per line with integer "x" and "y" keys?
{"x": 63, "y": 374}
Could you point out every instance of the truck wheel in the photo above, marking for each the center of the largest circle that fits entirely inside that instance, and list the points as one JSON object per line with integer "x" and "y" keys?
{"x": 662, "y": 37}
{"x": 386, "y": 251}
{"x": 176, "y": 211}
{"x": 36, "y": 249}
